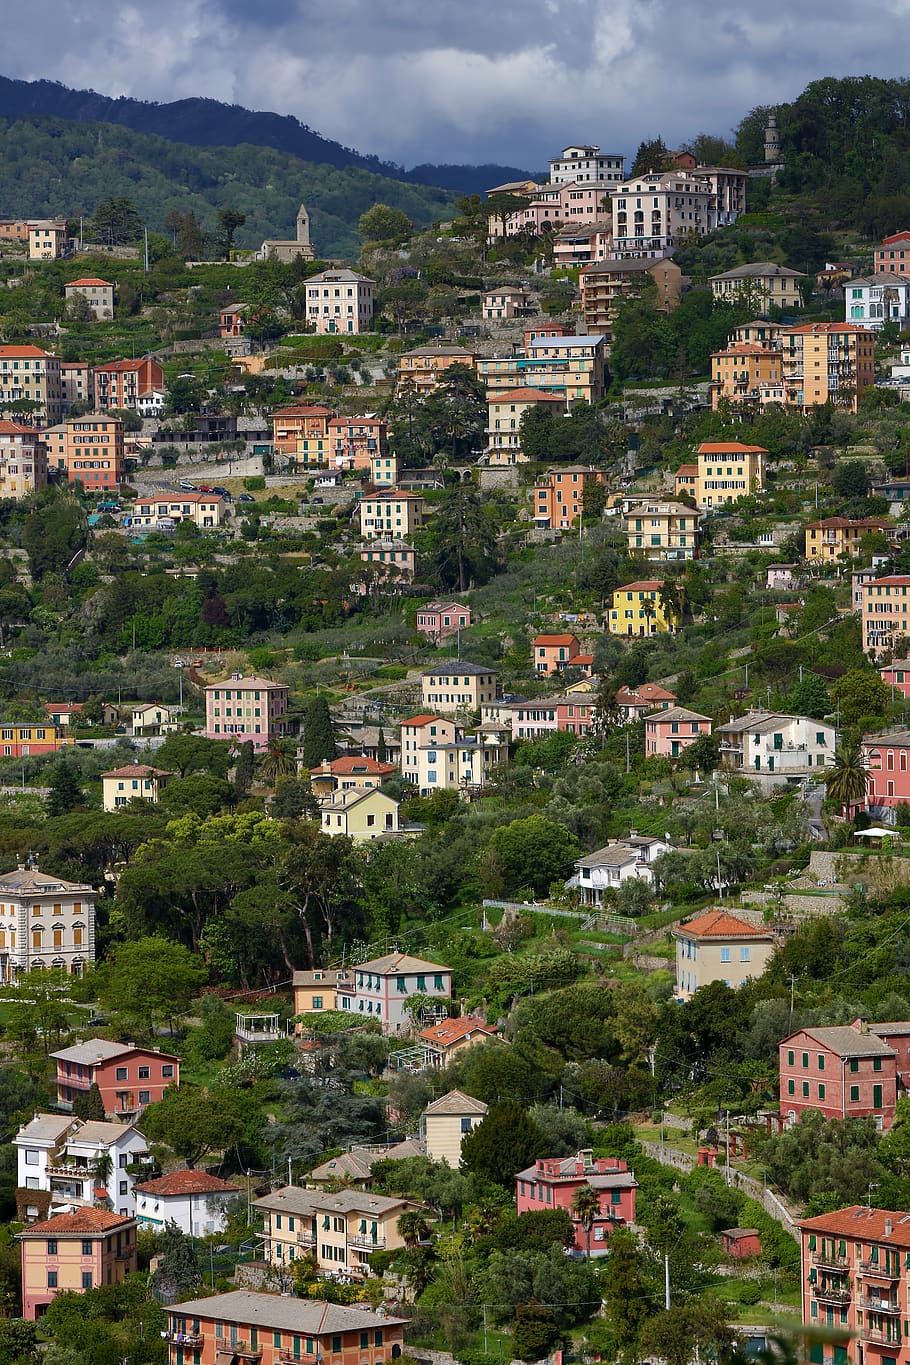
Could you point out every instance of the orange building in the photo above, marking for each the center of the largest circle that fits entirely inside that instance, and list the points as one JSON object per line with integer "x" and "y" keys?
{"x": 73, "y": 1252}
{"x": 354, "y": 441}
{"x": 423, "y": 368}
{"x": 559, "y": 498}
{"x": 827, "y": 362}
{"x": 121, "y": 383}
{"x": 90, "y": 450}
{"x": 893, "y": 255}
{"x": 301, "y": 433}
{"x": 740, "y": 373}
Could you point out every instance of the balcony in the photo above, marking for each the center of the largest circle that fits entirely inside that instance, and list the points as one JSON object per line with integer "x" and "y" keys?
{"x": 832, "y": 1293}
{"x": 880, "y": 1306}
{"x": 193, "y": 1339}
{"x": 306, "y": 1237}
{"x": 880, "y": 1271}
{"x": 237, "y": 1348}
{"x": 826, "y": 1262}
{"x": 881, "y": 1338}
{"x": 365, "y": 1243}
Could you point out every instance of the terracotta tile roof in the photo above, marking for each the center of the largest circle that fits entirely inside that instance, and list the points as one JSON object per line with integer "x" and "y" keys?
{"x": 729, "y": 448}
{"x": 186, "y": 1182}
{"x": 867, "y": 523}
{"x": 645, "y": 692}
{"x": 22, "y": 351}
{"x": 642, "y": 585}
{"x": 865, "y": 1224}
{"x": 85, "y": 1220}
{"x": 721, "y": 924}
{"x": 138, "y": 770}
{"x": 452, "y": 1031}
{"x": 343, "y": 767}
{"x": 15, "y": 428}
{"x": 421, "y": 719}
{"x": 88, "y": 279}
{"x": 548, "y": 641}
{"x": 687, "y": 469}
{"x": 303, "y": 410}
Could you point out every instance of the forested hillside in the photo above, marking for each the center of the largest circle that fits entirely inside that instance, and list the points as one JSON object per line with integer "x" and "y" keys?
{"x": 54, "y": 167}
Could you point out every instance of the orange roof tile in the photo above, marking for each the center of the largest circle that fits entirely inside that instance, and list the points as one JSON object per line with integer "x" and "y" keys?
{"x": 547, "y": 641}
{"x": 865, "y": 1224}
{"x": 20, "y": 351}
{"x": 354, "y": 763}
{"x": 86, "y": 1220}
{"x": 186, "y": 1182}
{"x": 451, "y": 1031}
{"x": 721, "y": 924}
{"x": 643, "y": 585}
{"x": 88, "y": 279}
{"x": 729, "y": 448}
{"x": 423, "y": 719}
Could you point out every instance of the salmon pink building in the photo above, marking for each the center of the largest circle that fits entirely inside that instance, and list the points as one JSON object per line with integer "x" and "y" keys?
{"x": 553, "y": 653}
{"x": 896, "y": 675}
{"x": 246, "y": 708}
{"x": 553, "y": 1182}
{"x": 849, "y": 1072}
{"x": 121, "y": 383}
{"x": 74, "y": 1252}
{"x": 439, "y": 620}
{"x": 669, "y": 733}
{"x": 129, "y": 1077}
{"x": 887, "y": 760}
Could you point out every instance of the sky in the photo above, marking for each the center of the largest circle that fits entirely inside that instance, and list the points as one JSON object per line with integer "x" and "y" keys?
{"x": 510, "y": 81}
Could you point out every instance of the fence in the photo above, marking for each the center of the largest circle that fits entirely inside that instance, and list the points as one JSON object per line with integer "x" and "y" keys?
{"x": 770, "y": 1202}
{"x": 588, "y": 919}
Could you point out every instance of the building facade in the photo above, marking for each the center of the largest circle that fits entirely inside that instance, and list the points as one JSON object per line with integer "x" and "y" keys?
{"x": 121, "y": 383}
{"x": 559, "y": 497}
{"x": 553, "y": 1182}
{"x": 129, "y": 1077}
{"x": 872, "y": 300}
{"x": 393, "y": 515}
{"x": 421, "y": 369}
{"x": 653, "y": 213}
{"x": 23, "y": 461}
{"x": 204, "y": 510}
{"x": 196, "y": 1201}
{"x": 834, "y": 538}
{"x": 45, "y": 922}
{"x": 886, "y": 612}
{"x": 605, "y": 282}
{"x": 843, "y": 1073}
{"x": 669, "y": 733}
{"x": 73, "y": 1252}
{"x": 763, "y": 284}
{"x": 60, "y": 1155}
{"x": 31, "y": 376}
{"x": 246, "y": 708}
{"x": 662, "y": 531}
{"x": 505, "y": 410}
{"x": 718, "y": 946}
{"x": 887, "y": 760}
{"x": 773, "y": 747}
{"x": 641, "y": 609}
{"x": 827, "y": 362}
{"x": 380, "y": 989}
{"x": 727, "y": 471}
{"x": 132, "y": 782}
{"x": 99, "y": 295}
{"x": 458, "y": 686}
{"x": 447, "y": 1122}
{"x": 586, "y": 165}
{"x": 339, "y": 301}
{"x": 745, "y": 373}
{"x": 342, "y": 1231}
{"x": 89, "y": 451}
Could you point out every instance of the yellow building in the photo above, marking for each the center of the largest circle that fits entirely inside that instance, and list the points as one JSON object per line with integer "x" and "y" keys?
{"x": 361, "y": 815}
{"x": 827, "y": 362}
{"x": 637, "y": 609}
{"x": 662, "y": 530}
{"x": 505, "y": 411}
{"x": 727, "y": 471}
{"x": 447, "y": 1122}
{"x": 457, "y": 686}
{"x": 341, "y": 1230}
{"x": 46, "y": 240}
{"x": 314, "y": 991}
{"x": 743, "y": 373}
{"x": 572, "y": 367}
{"x": 23, "y": 460}
{"x": 828, "y": 540}
{"x": 391, "y": 515}
{"x": 421, "y": 369}
{"x": 134, "y": 782}
{"x": 718, "y": 946}
{"x": 30, "y": 375}
{"x": 763, "y": 284}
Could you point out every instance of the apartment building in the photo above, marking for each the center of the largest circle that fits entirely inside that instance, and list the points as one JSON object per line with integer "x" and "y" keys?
{"x": 341, "y": 1231}
{"x": 886, "y": 612}
{"x": 727, "y": 471}
{"x": 582, "y": 244}
{"x": 887, "y": 760}
{"x": 552, "y": 653}
{"x": 132, "y": 782}
{"x": 391, "y": 515}
{"x": 78, "y": 381}
{"x": 504, "y": 303}
{"x": 896, "y": 675}
{"x": 421, "y": 732}
{"x": 463, "y": 764}
{"x": 550, "y": 208}
{"x": 421, "y": 369}
{"x": 354, "y": 442}
{"x": 204, "y": 510}
{"x": 718, "y": 946}
{"x": 762, "y": 284}
{"x": 314, "y": 991}
{"x": 274, "y": 1329}
{"x": 586, "y": 165}
{"x": 458, "y": 686}
{"x": 380, "y": 988}
{"x": 553, "y": 1183}
{"x": 559, "y": 497}
{"x": 122, "y": 383}
{"x": 245, "y": 708}
{"x": 653, "y": 213}
{"x": 849, "y": 1072}
{"x": 543, "y": 716}
{"x": 196, "y": 1201}
{"x": 391, "y": 557}
{"x": 129, "y": 1077}
{"x": 23, "y": 460}
{"x": 99, "y": 294}
{"x": 44, "y": 922}
{"x": 65, "y": 1157}
{"x": 661, "y": 530}
{"x": 31, "y": 376}
{"x": 339, "y": 301}
{"x": 774, "y": 748}
{"x": 834, "y": 538}
{"x": 827, "y": 362}
{"x": 47, "y": 240}
{"x": 573, "y": 367}
{"x": 384, "y": 470}
{"x": 300, "y": 433}
{"x": 604, "y": 283}
{"x": 638, "y": 609}
{"x": 893, "y": 256}
{"x": 745, "y": 373}
{"x": 21, "y": 741}
{"x": 73, "y": 1252}
{"x": 872, "y": 300}
{"x": 505, "y": 410}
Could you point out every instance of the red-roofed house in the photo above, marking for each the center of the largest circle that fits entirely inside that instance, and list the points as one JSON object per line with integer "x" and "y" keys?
{"x": 718, "y": 946}
{"x": 73, "y": 1252}
{"x": 134, "y": 781}
{"x": 553, "y": 653}
{"x": 440, "y": 620}
{"x": 687, "y": 480}
{"x": 896, "y": 675}
{"x": 121, "y": 383}
{"x": 728, "y": 470}
{"x": 416, "y": 733}
{"x": 300, "y": 432}
{"x": 893, "y": 256}
{"x": 99, "y": 295}
{"x": 670, "y": 732}
{"x": 827, "y": 540}
{"x": 129, "y": 1077}
{"x": 348, "y": 773}
{"x": 193, "y": 1200}
{"x": 636, "y": 702}
{"x": 30, "y": 374}
{"x": 827, "y": 362}
{"x": 444, "y": 1041}
{"x": 849, "y": 1072}
{"x": 552, "y": 1183}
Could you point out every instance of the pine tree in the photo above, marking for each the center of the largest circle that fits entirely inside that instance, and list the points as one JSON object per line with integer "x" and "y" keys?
{"x": 318, "y": 734}
{"x": 243, "y": 768}
{"x": 381, "y": 747}
{"x": 65, "y": 790}
{"x": 88, "y": 1104}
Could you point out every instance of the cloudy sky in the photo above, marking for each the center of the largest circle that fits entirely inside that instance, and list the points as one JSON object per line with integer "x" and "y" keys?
{"x": 509, "y": 81}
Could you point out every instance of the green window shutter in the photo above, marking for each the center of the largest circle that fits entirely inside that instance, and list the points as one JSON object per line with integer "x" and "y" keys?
{"x": 812, "y": 1242}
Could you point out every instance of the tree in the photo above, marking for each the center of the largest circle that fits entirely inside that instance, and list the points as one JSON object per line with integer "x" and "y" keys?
{"x": 627, "y": 1289}
{"x": 65, "y": 789}
{"x": 850, "y": 479}
{"x": 150, "y": 981}
{"x": 229, "y": 220}
{"x": 78, "y": 309}
{"x": 318, "y": 734}
{"x": 530, "y": 854}
{"x": 535, "y": 1332}
{"x": 18, "y": 1341}
{"x": 102, "y": 1167}
{"x": 810, "y": 697}
{"x": 116, "y": 222}
{"x": 688, "y": 1332}
{"x": 187, "y": 754}
{"x": 505, "y": 1141}
{"x": 244, "y": 767}
{"x": 193, "y": 1121}
{"x": 860, "y": 693}
{"x": 586, "y": 1206}
{"x": 652, "y": 155}
{"x": 319, "y": 875}
{"x": 382, "y": 223}
{"x": 464, "y": 536}
{"x": 413, "y": 1228}
{"x": 278, "y": 761}
{"x": 178, "y": 1272}
{"x": 847, "y": 780}
{"x": 88, "y": 1104}
{"x": 294, "y": 800}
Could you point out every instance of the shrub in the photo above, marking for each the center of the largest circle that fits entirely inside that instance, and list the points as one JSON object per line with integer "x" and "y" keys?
{"x": 254, "y": 483}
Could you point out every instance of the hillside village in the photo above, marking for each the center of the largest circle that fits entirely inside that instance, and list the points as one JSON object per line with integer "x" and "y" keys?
{"x": 455, "y": 778}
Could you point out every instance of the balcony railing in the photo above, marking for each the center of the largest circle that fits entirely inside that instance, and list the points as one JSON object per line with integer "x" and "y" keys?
{"x": 832, "y": 1293}
{"x": 881, "y": 1270}
{"x": 193, "y": 1339}
{"x": 306, "y": 1237}
{"x": 238, "y": 1348}
{"x": 883, "y": 1338}
{"x": 878, "y": 1306}
{"x": 826, "y": 1262}
{"x": 365, "y": 1243}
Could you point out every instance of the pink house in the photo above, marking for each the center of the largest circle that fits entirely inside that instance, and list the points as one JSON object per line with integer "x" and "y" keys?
{"x": 849, "y": 1072}
{"x": 246, "y": 708}
{"x": 636, "y": 702}
{"x": 552, "y": 1183}
{"x": 887, "y": 758}
{"x": 73, "y": 1252}
{"x": 897, "y": 676}
{"x": 671, "y": 732}
{"x": 576, "y": 713}
{"x": 555, "y": 204}
{"x": 553, "y": 653}
{"x": 438, "y": 620}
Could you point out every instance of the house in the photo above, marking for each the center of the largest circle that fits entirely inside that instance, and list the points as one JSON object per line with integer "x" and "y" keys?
{"x": 391, "y": 514}
{"x": 636, "y": 702}
{"x": 354, "y": 1168}
{"x": 659, "y": 530}
{"x": 887, "y": 760}
{"x": 380, "y": 989}
{"x": 300, "y": 433}
{"x": 505, "y": 409}
{"x": 448, "y": 1039}
{"x": 687, "y": 480}
{"x": 559, "y": 497}
{"x": 458, "y": 686}
{"x": 741, "y": 1244}
{"x": 355, "y": 441}
{"x": 134, "y": 782}
{"x": 73, "y": 1252}
{"x": 204, "y": 510}
{"x": 422, "y": 732}
{"x": 441, "y": 620}
{"x": 246, "y": 708}
{"x": 47, "y": 240}
{"x": 349, "y": 773}
{"x": 315, "y": 990}
{"x": 548, "y": 210}
{"x": 447, "y": 1122}
{"x": 341, "y": 1230}
{"x": 23, "y": 460}
{"x": 152, "y": 403}
{"x": 746, "y": 373}
{"x": 60, "y": 1155}
{"x": 827, "y": 362}
{"x": 586, "y": 165}
{"x": 727, "y": 471}
{"x": 553, "y": 653}
{"x": 640, "y": 609}
{"x": 78, "y": 380}
{"x": 893, "y": 256}
{"x": 897, "y": 676}
{"x": 582, "y": 244}
{"x": 232, "y": 320}
{"x": 652, "y": 213}
{"x": 854, "y": 1284}
{"x": 122, "y": 383}
{"x": 860, "y": 577}
{"x": 129, "y": 1077}
{"x": 89, "y": 450}
{"x": 846, "y": 1072}
{"x": 287, "y": 251}
{"x": 422, "y": 369}
{"x": 195, "y": 1201}
{"x": 361, "y": 814}
{"x": 576, "y": 714}
{"x": 670, "y": 732}
{"x": 718, "y": 946}
{"x": 384, "y": 470}
{"x": 780, "y": 577}
{"x": 339, "y": 301}
{"x": 44, "y": 922}
{"x": 503, "y": 303}
{"x": 572, "y": 367}
{"x": 872, "y": 300}
{"x": 99, "y": 294}
{"x": 462, "y": 764}
{"x": 833, "y": 537}
{"x": 553, "y": 1182}
{"x": 763, "y": 284}
{"x": 31, "y": 376}
{"x": 605, "y": 282}
{"x": 885, "y": 618}
{"x": 64, "y": 713}
{"x": 774, "y": 748}
{"x": 392, "y": 559}
{"x": 618, "y": 862}
{"x": 274, "y": 1329}
{"x": 21, "y": 741}
{"x": 153, "y": 718}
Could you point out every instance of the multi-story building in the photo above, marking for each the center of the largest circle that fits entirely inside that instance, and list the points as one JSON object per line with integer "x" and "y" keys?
{"x": 886, "y": 612}
{"x": 339, "y": 301}
{"x": 835, "y": 538}
{"x": 583, "y": 244}
{"x": 573, "y": 367}
{"x": 391, "y": 557}
{"x": 196, "y": 1201}
{"x": 447, "y": 1122}
{"x": 153, "y": 718}
{"x": 314, "y": 991}
{"x": 246, "y": 708}
{"x": 23, "y": 460}
{"x": 380, "y": 989}
{"x": 893, "y": 256}
{"x": 421, "y": 732}
{"x": 14, "y": 230}
{"x": 31, "y": 376}
{"x": 384, "y": 470}
{"x": 128, "y": 1077}
{"x": 273, "y": 1329}
{"x": 462, "y": 764}
{"x": 78, "y": 381}
{"x": 73, "y": 1252}
{"x": 341, "y": 1231}
{"x": 421, "y": 369}
{"x": 89, "y": 450}
{"x": 636, "y": 702}
{"x": 640, "y": 609}
{"x": 687, "y": 480}
{"x": 232, "y": 320}
{"x": 887, "y": 760}
{"x": 669, "y": 733}
{"x": 774, "y": 748}
{"x": 744, "y": 373}
{"x": 553, "y": 1183}
{"x": 551, "y": 208}
{"x": 458, "y": 686}
{"x": 44, "y": 922}
{"x": 827, "y": 362}
{"x": 205, "y": 510}
{"x": 605, "y": 282}
{"x": 619, "y": 861}
{"x": 22, "y": 741}
{"x": 441, "y": 620}
{"x": 660, "y": 530}
{"x": 352, "y": 772}
{"x": 503, "y": 303}
{"x": 47, "y": 240}
{"x": 872, "y": 300}
{"x": 559, "y": 497}
{"x": 718, "y": 946}
{"x": 121, "y": 383}
{"x": 99, "y": 294}
{"x": 727, "y": 471}
{"x": 442, "y": 1043}
{"x": 854, "y": 1285}
{"x": 849, "y": 1072}
{"x": 300, "y": 433}
{"x": 506, "y": 408}
{"x": 132, "y": 782}
{"x": 763, "y": 284}
{"x": 391, "y": 515}
{"x": 361, "y": 815}
{"x": 553, "y": 653}
{"x": 586, "y": 165}
{"x": 896, "y": 675}
{"x": 354, "y": 442}
{"x": 654, "y": 213}
{"x": 73, "y": 1160}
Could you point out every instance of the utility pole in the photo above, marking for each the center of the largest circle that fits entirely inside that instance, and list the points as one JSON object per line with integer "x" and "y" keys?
{"x": 485, "y": 1329}
{"x": 728, "y": 1147}
{"x": 146, "y": 251}
{"x": 667, "y": 1281}
{"x": 792, "y": 987}
{"x": 628, "y": 762}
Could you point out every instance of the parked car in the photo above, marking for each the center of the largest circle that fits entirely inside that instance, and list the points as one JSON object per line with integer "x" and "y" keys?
{"x": 189, "y": 487}
{"x": 222, "y": 492}
{"x": 319, "y": 500}
{"x": 246, "y": 497}
{"x": 204, "y": 488}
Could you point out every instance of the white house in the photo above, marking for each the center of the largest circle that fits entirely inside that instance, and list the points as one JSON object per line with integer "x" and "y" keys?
{"x": 379, "y": 989}
{"x": 74, "y": 1160}
{"x": 873, "y": 300}
{"x": 446, "y": 1123}
{"x": 196, "y": 1202}
{"x": 619, "y": 861}
{"x": 152, "y": 718}
{"x": 775, "y": 749}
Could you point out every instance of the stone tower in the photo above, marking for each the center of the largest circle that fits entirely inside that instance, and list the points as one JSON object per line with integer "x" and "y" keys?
{"x": 772, "y": 140}
{"x": 303, "y": 222}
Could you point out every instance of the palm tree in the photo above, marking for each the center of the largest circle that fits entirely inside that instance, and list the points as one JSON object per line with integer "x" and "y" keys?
{"x": 101, "y": 1169}
{"x": 586, "y": 1207}
{"x": 413, "y": 1228}
{"x": 847, "y": 780}
{"x": 277, "y": 762}
{"x": 649, "y": 612}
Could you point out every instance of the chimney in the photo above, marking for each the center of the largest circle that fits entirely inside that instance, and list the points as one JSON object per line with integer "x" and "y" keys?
{"x": 887, "y": 1227}
{"x": 863, "y": 1025}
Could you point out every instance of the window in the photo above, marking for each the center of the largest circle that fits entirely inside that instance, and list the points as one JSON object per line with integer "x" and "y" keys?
{"x": 86, "y": 1279}
{"x": 364, "y": 1341}
{"x": 52, "y": 1279}
{"x": 124, "y": 1187}
{"x": 52, "y": 1246}
{"x": 854, "y": 1064}
{"x": 336, "y": 1343}
{"x": 744, "y": 954}
{"x": 854, "y": 1094}
{"x": 821, "y": 1092}
{"x": 791, "y": 1088}
{"x": 805, "y": 1059}
{"x": 790, "y": 1058}
{"x": 144, "y": 1073}
{"x": 725, "y": 954}
{"x": 86, "y": 1246}
{"x": 145, "y": 1096}
{"x": 876, "y": 1063}
{"x": 820, "y": 1059}
{"x": 167, "y": 1072}
{"x": 466, "y": 1125}
{"x": 122, "y": 1073}
{"x": 805, "y": 1090}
